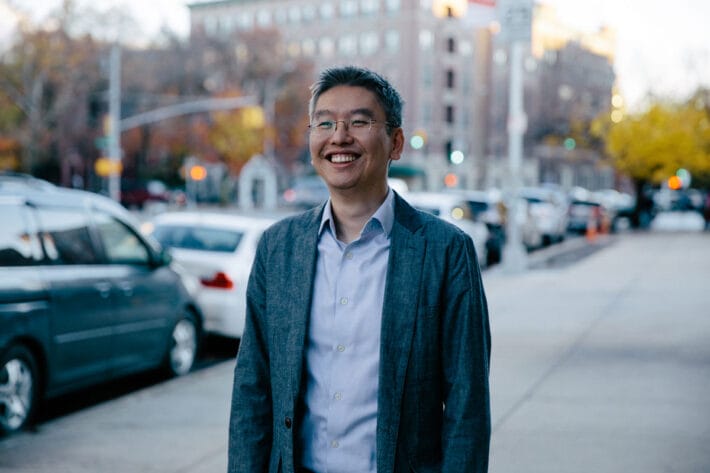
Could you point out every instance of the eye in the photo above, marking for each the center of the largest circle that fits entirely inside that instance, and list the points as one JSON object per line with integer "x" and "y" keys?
{"x": 325, "y": 125}
{"x": 359, "y": 123}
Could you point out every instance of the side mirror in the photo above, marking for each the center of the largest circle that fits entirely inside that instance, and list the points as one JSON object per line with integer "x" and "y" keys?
{"x": 162, "y": 258}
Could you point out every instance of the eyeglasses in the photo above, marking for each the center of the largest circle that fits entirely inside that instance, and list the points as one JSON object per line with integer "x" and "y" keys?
{"x": 355, "y": 126}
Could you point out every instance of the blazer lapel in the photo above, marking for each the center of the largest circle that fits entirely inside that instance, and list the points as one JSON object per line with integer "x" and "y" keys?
{"x": 398, "y": 318}
{"x": 298, "y": 290}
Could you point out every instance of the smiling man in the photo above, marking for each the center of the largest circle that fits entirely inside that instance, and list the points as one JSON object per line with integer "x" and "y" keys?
{"x": 367, "y": 341}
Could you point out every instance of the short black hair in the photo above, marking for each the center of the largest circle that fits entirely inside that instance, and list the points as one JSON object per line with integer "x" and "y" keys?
{"x": 353, "y": 76}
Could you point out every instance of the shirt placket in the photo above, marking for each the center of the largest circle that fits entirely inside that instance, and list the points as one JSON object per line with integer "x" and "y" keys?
{"x": 343, "y": 347}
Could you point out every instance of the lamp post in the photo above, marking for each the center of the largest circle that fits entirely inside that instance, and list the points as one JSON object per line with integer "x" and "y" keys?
{"x": 516, "y": 18}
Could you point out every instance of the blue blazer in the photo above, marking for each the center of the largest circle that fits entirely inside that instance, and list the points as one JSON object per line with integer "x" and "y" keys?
{"x": 433, "y": 400}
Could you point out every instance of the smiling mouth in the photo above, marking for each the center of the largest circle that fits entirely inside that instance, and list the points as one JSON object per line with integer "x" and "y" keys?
{"x": 342, "y": 158}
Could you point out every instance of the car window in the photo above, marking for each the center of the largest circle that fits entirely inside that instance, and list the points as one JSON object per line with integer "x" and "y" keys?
{"x": 477, "y": 207}
{"x": 19, "y": 246}
{"x": 66, "y": 236}
{"x": 197, "y": 238}
{"x": 120, "y": 243}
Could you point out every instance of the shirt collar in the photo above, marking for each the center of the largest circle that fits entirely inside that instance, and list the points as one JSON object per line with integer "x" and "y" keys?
{"x": 384, "y": 216}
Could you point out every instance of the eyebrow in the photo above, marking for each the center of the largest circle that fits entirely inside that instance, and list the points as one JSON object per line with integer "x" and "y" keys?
{"x": 358, "y": 111}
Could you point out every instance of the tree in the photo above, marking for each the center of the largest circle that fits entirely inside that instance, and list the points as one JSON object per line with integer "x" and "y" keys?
{"x": 49, "y": 77}
{"x": 652, "y": 145}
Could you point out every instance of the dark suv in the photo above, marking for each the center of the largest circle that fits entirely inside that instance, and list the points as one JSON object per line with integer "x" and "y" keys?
{"x": 84, "y": 298}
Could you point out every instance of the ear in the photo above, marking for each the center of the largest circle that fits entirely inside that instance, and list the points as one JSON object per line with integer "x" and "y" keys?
{"x": 397, "y": 144}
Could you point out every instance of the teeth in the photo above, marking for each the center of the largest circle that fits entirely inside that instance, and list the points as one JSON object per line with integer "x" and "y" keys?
{"x": 342, "y": 158}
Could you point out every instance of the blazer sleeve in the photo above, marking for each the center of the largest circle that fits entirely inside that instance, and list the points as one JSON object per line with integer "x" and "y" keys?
{"x": 466, "y": 344}
{"x": 250, "y": 422}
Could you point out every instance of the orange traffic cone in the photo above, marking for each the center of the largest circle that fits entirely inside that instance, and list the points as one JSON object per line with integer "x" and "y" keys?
{"x": 591, "y": 232}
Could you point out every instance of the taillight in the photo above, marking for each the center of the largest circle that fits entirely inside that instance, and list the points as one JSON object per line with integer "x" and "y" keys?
{"x": 219, "y": 280}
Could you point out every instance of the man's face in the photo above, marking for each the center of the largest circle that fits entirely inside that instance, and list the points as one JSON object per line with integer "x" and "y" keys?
{"x": 353, "y": 159}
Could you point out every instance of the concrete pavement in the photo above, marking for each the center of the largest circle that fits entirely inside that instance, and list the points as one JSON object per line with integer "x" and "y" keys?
{"x": 602, "y": 365}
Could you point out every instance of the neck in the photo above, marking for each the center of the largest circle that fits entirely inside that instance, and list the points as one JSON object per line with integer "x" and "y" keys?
{"x": 351, "y": 215}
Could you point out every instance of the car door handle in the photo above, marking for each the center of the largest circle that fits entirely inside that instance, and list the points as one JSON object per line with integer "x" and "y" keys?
{"x": 104, "y": 289}
{"x": 126, "y": 287}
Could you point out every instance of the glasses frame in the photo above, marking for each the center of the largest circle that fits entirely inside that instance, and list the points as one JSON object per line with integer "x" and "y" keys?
{"x": 314, "y": 129}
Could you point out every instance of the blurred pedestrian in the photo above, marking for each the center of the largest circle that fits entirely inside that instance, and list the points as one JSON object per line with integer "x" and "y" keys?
{"x": 367, "y": 341}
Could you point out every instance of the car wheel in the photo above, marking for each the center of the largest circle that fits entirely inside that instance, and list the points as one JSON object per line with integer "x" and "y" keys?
{"x": 18, "y": 389}
{"x": 183, "y": 346}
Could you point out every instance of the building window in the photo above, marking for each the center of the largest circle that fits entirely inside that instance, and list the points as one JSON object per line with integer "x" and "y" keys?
{"x": 369, "y": 7}
{"x": 280, "y": 17}
{"x": 326, "y": 46}
{"x": 426, "y": 40}
{"x": 327, "y": 11}
{"x": 450, "y": 79}
{"x": 348, "y": 8}
{"x": 451, "y": 45}
{"x": 293, "y": 49}
{"x": 308, "y": 47}
{"x": 294, "y": 14}
{"x": 427, "y": 79}
{"x": 263, "y": 19}
{"x": 347, "y": 45}
{"x": 308, "y": 13}
{"x": 392, "y": 5}
{"x": 246, "y": 21}
{"x": 449, "y": 111}
{"x": 392, "y": 41}
{"x": 369, "y": 43}
{"x": 210, "y": 25}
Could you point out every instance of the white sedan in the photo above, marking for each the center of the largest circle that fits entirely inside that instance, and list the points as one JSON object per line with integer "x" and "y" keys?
{"x": 453, "y": 209}
{"x": 219, "y": 250}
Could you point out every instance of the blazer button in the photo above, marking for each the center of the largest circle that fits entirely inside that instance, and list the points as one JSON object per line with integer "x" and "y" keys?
{"x": 287, "y": 422}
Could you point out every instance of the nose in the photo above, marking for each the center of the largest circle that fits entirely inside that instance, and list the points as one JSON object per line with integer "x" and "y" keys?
{"x": 341, "y": 132}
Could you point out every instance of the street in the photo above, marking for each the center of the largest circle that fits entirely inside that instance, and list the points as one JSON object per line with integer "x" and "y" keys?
{"x": 600, "y": 364}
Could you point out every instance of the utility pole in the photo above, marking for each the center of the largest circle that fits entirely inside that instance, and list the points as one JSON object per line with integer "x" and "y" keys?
{"x": 516, "y": 23}
{"x": 114, "y": 137}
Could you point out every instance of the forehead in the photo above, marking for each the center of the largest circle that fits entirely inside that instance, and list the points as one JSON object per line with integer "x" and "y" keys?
{"x": 345, "y": 99}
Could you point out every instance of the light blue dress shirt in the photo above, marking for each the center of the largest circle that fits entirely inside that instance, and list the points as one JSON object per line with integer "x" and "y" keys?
{"x": 339, "y": 426}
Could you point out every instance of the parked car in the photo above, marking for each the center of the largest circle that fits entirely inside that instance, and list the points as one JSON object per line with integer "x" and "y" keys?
{"x": 453, "y": 209}
{"x": 619, "y": 206}
{"x": 549, "y": 209}
{"x": 84, "y": 297}
{"x": 488, "y": 207}
{"x": 587, "y": 215}
{"x": 141, "y": 194}
{"x": 305, "y": 192}
{"x": 219, "y": 250}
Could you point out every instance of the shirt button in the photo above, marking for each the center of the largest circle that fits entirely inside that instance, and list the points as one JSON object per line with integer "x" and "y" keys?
{"x": 334, "y": 444}
{"x": 341, "y": 348}
{"x": 338, "y": 396}
{"x": 343, "y": 301}
{"x": 349, "y": 255}
{"x": 287, "y": 422}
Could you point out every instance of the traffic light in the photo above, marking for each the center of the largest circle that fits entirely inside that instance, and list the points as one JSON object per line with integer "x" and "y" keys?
{"x": 198, "y": 172}
{"x": 570, "y": 143}
{"x": 675, "y": 183}
{"x": 418, "y": 139}
{"x": 451, "y": 180}
{"x": 456, "y": 157}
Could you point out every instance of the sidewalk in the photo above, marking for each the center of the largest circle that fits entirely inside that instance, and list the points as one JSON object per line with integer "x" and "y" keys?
{"x": 599, "y": 366}
{"x": 604, "y": 366}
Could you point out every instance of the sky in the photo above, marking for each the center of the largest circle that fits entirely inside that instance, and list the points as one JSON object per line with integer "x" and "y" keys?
{"x": 663, "y": 46}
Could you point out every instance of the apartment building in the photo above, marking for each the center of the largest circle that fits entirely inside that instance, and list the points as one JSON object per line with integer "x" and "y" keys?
{"x": 430, "y": 49}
